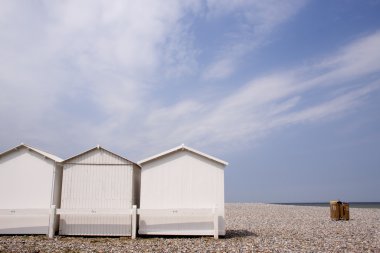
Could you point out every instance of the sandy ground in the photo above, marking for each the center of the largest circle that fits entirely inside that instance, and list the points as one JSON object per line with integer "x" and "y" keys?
{"x": 250, "y": 228}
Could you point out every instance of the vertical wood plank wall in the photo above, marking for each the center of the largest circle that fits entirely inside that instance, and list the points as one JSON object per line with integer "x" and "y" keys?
{"x": 97, "y": 179}
{"x": 25, "y": 182}
{"x": 181, "y": 180}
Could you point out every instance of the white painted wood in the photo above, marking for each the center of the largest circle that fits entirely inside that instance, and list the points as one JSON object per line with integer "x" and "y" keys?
{"x": 97, "y": 194}
{"x": 134, "y": 221}
{"x": 29, "y": 212}
{"x": 182, "y": 147}
{"x": 87, "y": 211}
{"x": 96, "y": 186}
{"x": 95, "y": 225}
{"x": 24, "y": 224}
{"x": 98, "y": 155}
{"x": 216, "y": 223}
{"x": 177, "y": 232}
{"x": 201, "y": 212}
{"x": 27, "y": 181}
{"x": 52, "y": 220}
{"x": 177, "y": 180}
{"x": 209, "y": 214}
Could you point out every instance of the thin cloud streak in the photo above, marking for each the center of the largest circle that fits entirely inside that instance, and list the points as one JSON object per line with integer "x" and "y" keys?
{"x": 258, "y": 19}
{"x": 73, "y": 75}
{"x": 271, "y": 102}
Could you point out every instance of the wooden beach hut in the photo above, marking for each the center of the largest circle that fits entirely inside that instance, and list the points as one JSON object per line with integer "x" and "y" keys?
{"x": 30, "y": 183}
{"x": 99, "y": 189}
{"x": 178, "y": 184}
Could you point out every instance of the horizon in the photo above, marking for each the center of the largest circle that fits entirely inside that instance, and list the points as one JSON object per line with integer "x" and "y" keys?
{"x": 322, "y": 202}
{"x": 287, "y": 92}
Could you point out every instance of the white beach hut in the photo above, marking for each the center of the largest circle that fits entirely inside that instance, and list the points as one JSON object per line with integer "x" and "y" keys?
{"x": 98, "y": 191}
{"x": 30, "y": 183}
{"x": 175, "y": 186}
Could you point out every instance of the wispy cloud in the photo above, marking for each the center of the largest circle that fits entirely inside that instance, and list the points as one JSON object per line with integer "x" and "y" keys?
{"x": 280, "y": 99}
{"x": 257, "y": 20}
{"x": 80, "y": 73}
{"x": 61, "y": 58}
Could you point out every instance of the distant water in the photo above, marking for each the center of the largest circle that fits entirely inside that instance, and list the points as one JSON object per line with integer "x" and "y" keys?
{"x": 326, "y": 204}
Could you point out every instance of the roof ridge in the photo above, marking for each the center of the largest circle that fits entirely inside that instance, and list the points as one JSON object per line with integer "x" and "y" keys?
{"x": 99, "y": 147}
{"x": 182, "y": 146}
{"x": 39, "y": 151}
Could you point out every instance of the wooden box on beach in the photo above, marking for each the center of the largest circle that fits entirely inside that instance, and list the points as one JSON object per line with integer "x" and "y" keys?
{"x": 344, "y": 211}
{"x": 335, "y": 209}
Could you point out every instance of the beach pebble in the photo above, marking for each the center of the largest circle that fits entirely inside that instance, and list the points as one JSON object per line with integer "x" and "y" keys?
{"x": 250, "y": 228}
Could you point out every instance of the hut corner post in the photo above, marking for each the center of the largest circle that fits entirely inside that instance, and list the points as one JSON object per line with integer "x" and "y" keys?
{"x": 216, "y": 222}
{"x": 134, "y": 221}
{"x": 53, "y": 213}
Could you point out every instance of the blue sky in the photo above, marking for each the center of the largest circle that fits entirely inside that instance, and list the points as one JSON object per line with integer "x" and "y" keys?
{"x": 286, "y": 91}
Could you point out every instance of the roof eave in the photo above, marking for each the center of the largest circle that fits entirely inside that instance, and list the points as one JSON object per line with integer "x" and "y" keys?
{"x": 35, "y": 150}
{"x": 99, "y": 147}
{"x": 181, "y": 147}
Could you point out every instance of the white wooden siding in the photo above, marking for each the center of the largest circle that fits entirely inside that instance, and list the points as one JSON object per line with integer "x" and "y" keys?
{"x": 24, "y": 224}
{"x": 111, "y": 225}
{"x": 96, "y": 179}
{"x": 96, "y": 186}
{"x": 57, "y": 185}
{"x": 181, "y": 179}
{"x": 26, "y": 182}
{"x": 98, "y": 156}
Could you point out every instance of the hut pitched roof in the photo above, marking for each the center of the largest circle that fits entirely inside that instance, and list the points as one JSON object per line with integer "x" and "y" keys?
{"x": 98, "y": 147}
{"x": 33, "y": 149}
{"x": 179, "y": 148}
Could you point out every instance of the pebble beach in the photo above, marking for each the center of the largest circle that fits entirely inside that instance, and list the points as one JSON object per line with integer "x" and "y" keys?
{"x": 250, "y": 228}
